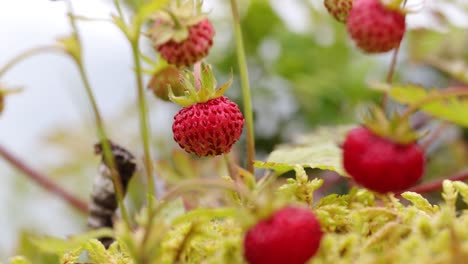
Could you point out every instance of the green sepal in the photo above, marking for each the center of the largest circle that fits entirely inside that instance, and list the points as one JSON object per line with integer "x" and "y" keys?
{"x": 395, "y": 128}
{"x": 204, "y": 93}
{"x": 173, "y": 22}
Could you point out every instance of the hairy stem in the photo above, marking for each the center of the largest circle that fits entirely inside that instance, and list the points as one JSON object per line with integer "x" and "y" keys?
{"x": 390, "y": 74}
{"x": 117, "y": 182}
{"x": 230, "y": 167}
{"x": 244, "y": 75}
{"x": 144, "y": 125}
{"x": 101, "y": 133}
{"x": 44, "y": 181}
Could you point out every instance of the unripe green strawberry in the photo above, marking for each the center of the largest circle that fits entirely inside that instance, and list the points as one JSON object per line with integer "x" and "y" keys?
{"x": 375, "y": 27}
{"x": 170, "y": 76}
{"x": 290, "y": 236}
{"x": 380, "y": 164}
{"x": 339, "y": 9}
{"x": 209, "y": 124}
{"x": 181, "y": 34}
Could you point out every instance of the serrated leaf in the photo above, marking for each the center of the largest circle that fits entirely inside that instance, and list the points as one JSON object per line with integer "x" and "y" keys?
{"x": 318, "y": 150}
{"x": 71, "y": 257}
{"x": 462, "y": 188}
{"x": 449, "y": 193}
{"x": 453, "y": 109}
{"x": 97, "y": 252}
{"x": 419, "y": 202}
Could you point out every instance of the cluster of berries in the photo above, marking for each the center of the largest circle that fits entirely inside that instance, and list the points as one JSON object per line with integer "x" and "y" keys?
{"x": 209, "y": 123}
{"x": 373, "y": 25}
{"x": 374, "y": 157}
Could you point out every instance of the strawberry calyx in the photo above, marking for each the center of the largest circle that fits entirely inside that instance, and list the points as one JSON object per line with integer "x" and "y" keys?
{"x": 174, "y": 22}
{"x": 200, "y": 86}
{"x": 395, "y": 5}
{"x": 396, "y": 128}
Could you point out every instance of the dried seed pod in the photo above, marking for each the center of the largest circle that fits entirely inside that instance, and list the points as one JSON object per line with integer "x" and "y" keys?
{"x": 103, "y": 197}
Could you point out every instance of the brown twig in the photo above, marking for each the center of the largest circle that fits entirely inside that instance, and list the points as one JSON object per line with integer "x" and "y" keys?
{"x": 437, "y": 184}
{"x": 44, "y": 181}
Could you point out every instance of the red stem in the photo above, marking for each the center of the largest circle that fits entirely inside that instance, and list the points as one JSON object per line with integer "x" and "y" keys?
{"x": 437, "y": 184}
{"x": 44, "y": 181}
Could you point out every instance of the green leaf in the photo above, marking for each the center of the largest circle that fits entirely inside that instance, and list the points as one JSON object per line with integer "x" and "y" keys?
{"x": 462, "y": 189}
{"x": 60, "y": 246}
{"x": 453, "y": 109}
{"x": 71, "y": 257}
{"x": 319, "y": 150}
{"x": 97, "y": 252}
{"x": 419, "y": 202}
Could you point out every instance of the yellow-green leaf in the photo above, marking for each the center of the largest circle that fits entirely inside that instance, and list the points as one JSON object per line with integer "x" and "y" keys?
{"x": 319, "y": 150}
{"x": 452, "y": 109}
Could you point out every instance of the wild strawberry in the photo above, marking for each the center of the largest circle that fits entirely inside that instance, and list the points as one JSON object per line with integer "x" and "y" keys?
{"x": 209, "y": 124}
{"x": 339, "y": 9}
{"x": 381, "y": 164}
{"x": 291, "y": 235}
{"x": 181, "y": 35}
{"x": 374, "y": 27}
{"x": 164, "y": 78}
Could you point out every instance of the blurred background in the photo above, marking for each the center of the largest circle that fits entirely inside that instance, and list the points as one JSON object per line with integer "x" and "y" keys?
{"x": 304, "y": 73}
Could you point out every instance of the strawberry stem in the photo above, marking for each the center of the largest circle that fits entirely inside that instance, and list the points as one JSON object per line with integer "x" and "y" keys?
{"x": 391, "y": 73}
{"x": 197, "y": 75}
{"x": 101, "y": 133}
{"x": 230, "y": 167}
{"x": 244, "y": 75}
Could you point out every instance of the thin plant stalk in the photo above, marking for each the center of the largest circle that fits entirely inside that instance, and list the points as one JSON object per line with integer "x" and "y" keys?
{"x": 101, "y": 133}
{"x": 27, "y": 54}
{"x": 44, "y": 181}
{"x": 390, "y": 74}
{"x": 246, "y": 94}
{"x": 144, "y": 125}
{"x": 106, "y": 146}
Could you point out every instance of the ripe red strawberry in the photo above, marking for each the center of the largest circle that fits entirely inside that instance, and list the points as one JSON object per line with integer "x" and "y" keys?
{"x": 374, "y": 27}
{"x": 291, "y": 235}
{"x": 164, "y": 78}
{"x": 209, "y": 124}
{"x": 209, "y": 128}
{"x": 182, "y": 34}
{"x": 192, "y": 49}
{"x": 339, "y": 9}
{"x": 380, "y": 164}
